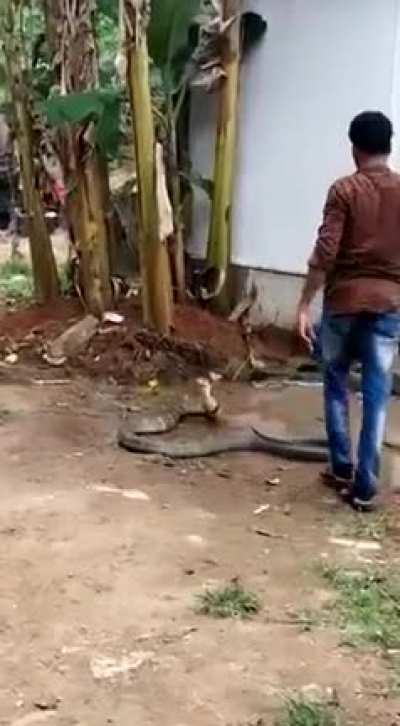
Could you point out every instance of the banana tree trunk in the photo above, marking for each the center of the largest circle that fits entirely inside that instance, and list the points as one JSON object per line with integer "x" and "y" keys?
{"x": 219, "y": 243}
{"x": 157, "y": 291}
{"x": 70, "y": 27}
{"x": 44, "y": 268}
{"x": 95, "y": 276}
{"x": 176, "y": 197}
{"x": 109, "y": 216}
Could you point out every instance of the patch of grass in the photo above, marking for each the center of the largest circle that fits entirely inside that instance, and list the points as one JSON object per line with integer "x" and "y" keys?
{"x": 228, "y": 602}
{"x": 368, "y": 606}
{"x": 66, "y": 282}
{"x": 15, "y": 266}
{"x": 372, "y": 526}
{"x": 301, "y": 712}
{"x": 16, "y": 280}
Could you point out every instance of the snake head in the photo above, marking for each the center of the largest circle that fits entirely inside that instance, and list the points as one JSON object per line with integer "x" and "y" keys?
{"x": 209, "y": 402}
{"x": 204, "y": 383}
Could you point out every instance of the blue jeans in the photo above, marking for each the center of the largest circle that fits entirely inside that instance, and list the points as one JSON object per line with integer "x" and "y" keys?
{"x": 373, "y": 340}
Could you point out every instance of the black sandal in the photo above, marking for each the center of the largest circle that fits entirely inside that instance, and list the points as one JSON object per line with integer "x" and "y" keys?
{"x": 337, "y": 483}
{"x": 361, "y": 505}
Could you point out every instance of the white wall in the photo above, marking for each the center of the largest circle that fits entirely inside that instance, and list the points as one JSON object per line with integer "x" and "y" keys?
{"x": 321, "y": 62}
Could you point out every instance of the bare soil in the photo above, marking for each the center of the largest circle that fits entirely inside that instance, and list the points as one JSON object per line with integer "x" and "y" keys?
{"x": 102, "y": 554}
{"x": 127, "y": 353}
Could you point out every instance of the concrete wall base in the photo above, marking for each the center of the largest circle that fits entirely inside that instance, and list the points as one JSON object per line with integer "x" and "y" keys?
{"x": 277, "y": 295}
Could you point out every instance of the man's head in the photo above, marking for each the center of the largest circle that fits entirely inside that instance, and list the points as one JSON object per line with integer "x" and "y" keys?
{"x": 371, "y": 134}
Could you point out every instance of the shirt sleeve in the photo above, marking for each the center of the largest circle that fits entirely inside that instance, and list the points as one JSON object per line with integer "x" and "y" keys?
{"x": 331, "y": 232}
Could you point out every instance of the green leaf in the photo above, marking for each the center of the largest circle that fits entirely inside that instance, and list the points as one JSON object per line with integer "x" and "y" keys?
{"x": 169, "y": 36}
{"x": 108, "y": 8}
{"x": 107, "y": 31}
{"x": 102, "y": 107}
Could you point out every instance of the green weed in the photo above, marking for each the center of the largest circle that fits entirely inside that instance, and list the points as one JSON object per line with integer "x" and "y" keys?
{"x": 16, "y": 280}
{"x": 368, "y": 606}
{"x": 301, "y": 712}
{"x": 229, "y": 602}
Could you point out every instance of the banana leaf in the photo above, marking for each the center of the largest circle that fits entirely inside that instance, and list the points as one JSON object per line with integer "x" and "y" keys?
{"x": 168, "y": 37}
{"x": 109, "y": 8}
{"x": 100, "y": 107}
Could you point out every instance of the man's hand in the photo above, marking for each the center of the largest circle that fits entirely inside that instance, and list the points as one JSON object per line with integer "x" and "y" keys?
{"x": 314, "y": 281}
{"x": 304, "y": 326}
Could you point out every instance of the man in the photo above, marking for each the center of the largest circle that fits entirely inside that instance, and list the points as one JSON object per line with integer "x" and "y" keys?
{"x": 357, "y": 261}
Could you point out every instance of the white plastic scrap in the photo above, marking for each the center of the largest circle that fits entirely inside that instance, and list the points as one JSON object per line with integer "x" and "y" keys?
{"x": 105, "y": 667}
{"x": 354, "y": 544}
{"x": 263, "y": 508}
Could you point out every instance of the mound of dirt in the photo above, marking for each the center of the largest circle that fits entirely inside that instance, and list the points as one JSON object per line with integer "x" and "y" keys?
{"x": 130, "y": 356}
{"x": 127, "y": 353}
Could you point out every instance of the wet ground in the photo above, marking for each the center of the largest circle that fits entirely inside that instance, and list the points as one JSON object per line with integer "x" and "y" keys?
{"x": 102, "y": 554}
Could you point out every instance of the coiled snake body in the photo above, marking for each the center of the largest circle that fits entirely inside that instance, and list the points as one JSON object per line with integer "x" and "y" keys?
{"x": 144, "y": 433}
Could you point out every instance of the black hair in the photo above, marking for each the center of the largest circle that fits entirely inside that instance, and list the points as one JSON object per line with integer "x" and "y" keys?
{"x": 372, "y": 132}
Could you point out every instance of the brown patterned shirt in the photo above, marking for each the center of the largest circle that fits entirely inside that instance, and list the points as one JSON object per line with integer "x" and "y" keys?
{"x": 358, "y": 245}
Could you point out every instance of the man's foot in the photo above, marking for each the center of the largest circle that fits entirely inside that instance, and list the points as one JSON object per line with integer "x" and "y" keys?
{"x": 338, "y": 483}
{"x": 361, "y": 505}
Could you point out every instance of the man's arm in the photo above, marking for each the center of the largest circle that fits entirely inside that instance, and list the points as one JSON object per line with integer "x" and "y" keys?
{"x": 323, "y": 259}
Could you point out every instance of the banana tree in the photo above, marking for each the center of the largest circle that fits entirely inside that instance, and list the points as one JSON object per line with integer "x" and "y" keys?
{"x": 219, "y": 242}
{"x": 184, "y": 47}
{"x": 170, "y": 51}
{"x": 199, "y": 43}
{"x": 227, "y": 34}
{"x": 18, "y": 76}
{"x": 157, "y": 289}
{"x": 70, "y": 30}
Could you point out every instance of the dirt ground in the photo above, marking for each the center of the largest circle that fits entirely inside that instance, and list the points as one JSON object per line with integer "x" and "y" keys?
{"x": 102, "y": 554}
{"x": 128, "y": 353}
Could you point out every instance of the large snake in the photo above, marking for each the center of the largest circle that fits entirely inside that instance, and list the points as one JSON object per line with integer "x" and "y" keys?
{"x": 143, "y": 433}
